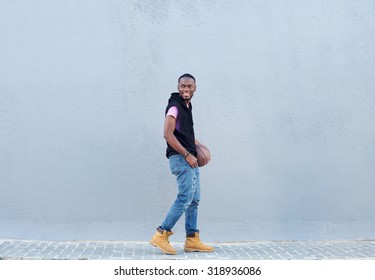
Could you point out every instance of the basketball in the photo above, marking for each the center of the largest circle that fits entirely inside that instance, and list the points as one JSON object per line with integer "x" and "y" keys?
{"x": 203, "y": 155}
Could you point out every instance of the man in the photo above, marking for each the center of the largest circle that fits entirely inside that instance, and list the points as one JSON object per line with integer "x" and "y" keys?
{"x": 181, "y": 152}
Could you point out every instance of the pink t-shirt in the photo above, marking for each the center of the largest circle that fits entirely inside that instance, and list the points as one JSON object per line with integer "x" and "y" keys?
{"x": 173, "y": 111}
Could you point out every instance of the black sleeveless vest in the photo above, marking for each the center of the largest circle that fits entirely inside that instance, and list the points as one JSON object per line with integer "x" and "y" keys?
{"x": 185, "y": 134}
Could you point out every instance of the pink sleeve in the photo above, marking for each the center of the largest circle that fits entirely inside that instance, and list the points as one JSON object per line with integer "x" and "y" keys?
{"x": 173, "y": 111}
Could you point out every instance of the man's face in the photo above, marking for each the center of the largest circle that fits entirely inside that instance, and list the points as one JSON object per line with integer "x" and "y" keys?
{"x": 186, "y": 87}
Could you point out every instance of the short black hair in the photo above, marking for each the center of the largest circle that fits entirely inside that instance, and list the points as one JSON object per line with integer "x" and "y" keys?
{"x": 186, "y": 75}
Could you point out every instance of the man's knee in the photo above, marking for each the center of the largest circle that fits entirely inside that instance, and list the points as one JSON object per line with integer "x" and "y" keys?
{"x": 186, "y": 200}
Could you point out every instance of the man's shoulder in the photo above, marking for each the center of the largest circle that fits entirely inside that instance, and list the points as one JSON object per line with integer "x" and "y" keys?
{"x": 173, "y": 111}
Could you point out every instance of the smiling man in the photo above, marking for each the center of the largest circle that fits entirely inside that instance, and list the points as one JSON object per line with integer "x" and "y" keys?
{"x": 181, "y": 152}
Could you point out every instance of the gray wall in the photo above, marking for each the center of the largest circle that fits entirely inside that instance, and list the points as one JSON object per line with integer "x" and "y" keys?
{"x": 285, "y": 102}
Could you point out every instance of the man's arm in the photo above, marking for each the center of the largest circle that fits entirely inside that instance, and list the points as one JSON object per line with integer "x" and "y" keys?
{"x": 169, "y": 127}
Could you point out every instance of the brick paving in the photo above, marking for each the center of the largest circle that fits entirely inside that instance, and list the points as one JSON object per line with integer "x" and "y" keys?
{"x": 11, "y": 249}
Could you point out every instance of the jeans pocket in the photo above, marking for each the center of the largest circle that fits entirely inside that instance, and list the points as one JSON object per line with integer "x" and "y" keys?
{"x": 175, "y": 164}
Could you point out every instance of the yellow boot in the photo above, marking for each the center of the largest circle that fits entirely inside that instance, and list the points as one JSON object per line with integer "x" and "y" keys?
{"x": 194, "y": 244}
{"x": 160, "y": 240}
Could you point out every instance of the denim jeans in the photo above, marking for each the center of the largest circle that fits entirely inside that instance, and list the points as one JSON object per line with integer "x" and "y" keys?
{"x": 188, "y": 197}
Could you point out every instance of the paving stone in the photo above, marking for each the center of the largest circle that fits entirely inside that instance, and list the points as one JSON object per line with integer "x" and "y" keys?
{"x": 272, "y": 250}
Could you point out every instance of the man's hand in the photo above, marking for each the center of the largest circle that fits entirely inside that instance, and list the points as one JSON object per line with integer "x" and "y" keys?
{"x": 192, "y": 160}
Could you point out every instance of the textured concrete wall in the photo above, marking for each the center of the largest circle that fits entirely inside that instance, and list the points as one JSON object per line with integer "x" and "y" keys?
{"x": 285, "y": 101}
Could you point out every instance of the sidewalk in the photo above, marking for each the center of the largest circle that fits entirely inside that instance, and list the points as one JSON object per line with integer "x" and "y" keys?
{"x": 140, "y": 250}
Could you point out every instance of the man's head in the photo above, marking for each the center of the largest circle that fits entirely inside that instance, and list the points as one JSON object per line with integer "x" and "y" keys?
{"x": 186, "y": 86}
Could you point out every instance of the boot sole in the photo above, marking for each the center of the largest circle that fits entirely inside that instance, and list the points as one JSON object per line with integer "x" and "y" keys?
{"x": 164, "y": 251}
{"x": 196, "y": 250}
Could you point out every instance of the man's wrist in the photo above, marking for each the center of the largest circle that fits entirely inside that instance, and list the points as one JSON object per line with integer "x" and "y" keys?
{"x": 186, "y": 154}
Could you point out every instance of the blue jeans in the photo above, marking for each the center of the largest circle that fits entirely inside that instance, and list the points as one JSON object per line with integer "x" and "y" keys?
{"x": 188, "y": 197}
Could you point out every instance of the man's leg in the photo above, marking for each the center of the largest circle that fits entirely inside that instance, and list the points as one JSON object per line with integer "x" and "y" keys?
{"x": 187, "y": 184}
{"x": 193, "y": 242}
{"x": 191, "y": 213}
{"x": 186, "y": 192}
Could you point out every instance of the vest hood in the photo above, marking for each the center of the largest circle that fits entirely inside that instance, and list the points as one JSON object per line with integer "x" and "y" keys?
{"x": 176, "y": 98}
